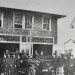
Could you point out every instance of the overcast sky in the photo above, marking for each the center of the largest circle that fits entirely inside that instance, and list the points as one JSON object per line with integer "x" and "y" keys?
{"x": 64, "y": 7}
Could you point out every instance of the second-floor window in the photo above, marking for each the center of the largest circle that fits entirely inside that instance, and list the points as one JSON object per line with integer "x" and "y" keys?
{"x": 28, "y": 22}
{"x": 1, "y": 19}
{"x": 23, "y": 21}
{"x": 46, "y": 23}
{"x": 18, "y": 20}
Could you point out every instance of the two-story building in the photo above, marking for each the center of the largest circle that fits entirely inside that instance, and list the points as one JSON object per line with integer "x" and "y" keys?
{"x": 28, "y": 30}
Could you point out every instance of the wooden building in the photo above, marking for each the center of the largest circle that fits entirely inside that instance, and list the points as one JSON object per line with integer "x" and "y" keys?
{"x": 28, "y": 30}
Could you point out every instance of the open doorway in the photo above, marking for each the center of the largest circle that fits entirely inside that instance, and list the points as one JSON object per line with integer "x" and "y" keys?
{"x": 47, "y": 49}
{"x": 8, "y": 46}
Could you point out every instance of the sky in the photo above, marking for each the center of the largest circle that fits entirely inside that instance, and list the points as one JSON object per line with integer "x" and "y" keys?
{"x": 64, "y": 7}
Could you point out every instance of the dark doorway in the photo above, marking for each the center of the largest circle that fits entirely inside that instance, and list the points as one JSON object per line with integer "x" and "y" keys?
{"x": 47, "y": 49}
{"x": 8, "y": 46}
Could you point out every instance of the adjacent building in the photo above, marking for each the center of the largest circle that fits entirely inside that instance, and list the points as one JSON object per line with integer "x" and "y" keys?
{"x": 28, "y": 30}
{"x": 58, "y": 49}
{"x": 69, "y": 46}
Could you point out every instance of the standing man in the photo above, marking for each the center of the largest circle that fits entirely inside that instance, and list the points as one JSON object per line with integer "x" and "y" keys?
{"x": 41, "y": 52}
{"x": 36, "y": 54}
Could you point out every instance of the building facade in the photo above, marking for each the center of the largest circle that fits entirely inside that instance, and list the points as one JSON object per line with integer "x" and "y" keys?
{"x": 27, "y": 30}
{"x": 70, "y": 46}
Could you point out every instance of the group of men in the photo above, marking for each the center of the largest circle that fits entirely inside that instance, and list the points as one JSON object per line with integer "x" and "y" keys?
{"x": 12, "y": 62}
{"x": 37, "y": 54}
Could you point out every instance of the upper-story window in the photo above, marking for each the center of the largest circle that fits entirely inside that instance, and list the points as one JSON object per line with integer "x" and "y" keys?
{"x": 28, "y": 21}
{"x": 1, "y": 19}
{"x": 18, "y": 20}
{"x": 23, "y": 21}
{"x": 46, "y": 23}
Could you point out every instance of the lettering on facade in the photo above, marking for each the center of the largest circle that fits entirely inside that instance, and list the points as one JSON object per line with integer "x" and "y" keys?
{"x": 9, "y": 38}
{"x": 42, "y": 40}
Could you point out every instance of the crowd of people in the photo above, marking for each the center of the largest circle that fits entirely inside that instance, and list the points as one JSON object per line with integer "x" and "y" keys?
{"x": 12, "y": 62}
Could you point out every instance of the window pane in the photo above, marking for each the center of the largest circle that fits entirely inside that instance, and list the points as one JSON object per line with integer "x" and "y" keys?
{"x": 24, "y": 39}
{"x": 0, "y": 23}
{"x": 46, "y": 23}
{"x": 28, "y": 18}
{"x": 45, "y": 26}
{"x": 18, "y": 16}
{"x": 18, "y": 20}
{"x": 0, "y": 19}
{"x": 28, "y": 21}
{"x": 46, "y": 20}
{"x": 30, "y": 27}
{"x": 0, "y": 15}
{"x": 18, "y": 26}
{"x": 26, "y": 24}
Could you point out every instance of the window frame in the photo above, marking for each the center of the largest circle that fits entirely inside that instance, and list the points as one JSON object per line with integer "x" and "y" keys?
{"x": 2, "y": 14}
{"x": 45, "y": 17}
{"x": 23, "y": 21}
{"x": 16, "y": 23}
{"x": 32, "y": 23}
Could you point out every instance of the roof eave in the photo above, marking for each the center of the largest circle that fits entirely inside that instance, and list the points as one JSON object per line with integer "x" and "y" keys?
{"x": 57, "y": 15}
